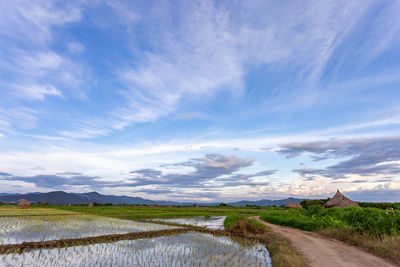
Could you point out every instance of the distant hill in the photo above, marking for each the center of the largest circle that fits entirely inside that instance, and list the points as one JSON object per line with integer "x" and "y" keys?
{"x": 64, "y": 198}
{"x": 265, "y": 202}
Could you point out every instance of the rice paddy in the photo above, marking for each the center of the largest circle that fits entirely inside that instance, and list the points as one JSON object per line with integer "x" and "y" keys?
{"x": 82, "y": 239}
{"x": 190, "y": 249}
{"x": 14, "y": 230}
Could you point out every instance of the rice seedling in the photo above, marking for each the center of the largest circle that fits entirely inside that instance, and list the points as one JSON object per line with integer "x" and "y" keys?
{"x": 14, "y": 230}
{"x": 188, "y": 249}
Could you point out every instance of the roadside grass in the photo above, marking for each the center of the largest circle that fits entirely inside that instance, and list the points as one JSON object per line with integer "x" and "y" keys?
{"x": 385, "y": 246}
{"x": 281, "y": 251}
{"x": 375, "y": 230}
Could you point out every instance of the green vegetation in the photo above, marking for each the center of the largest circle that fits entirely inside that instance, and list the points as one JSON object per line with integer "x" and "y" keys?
{"x": 372, "y": 221}
{"x": 149, "y": 212}
{"x": 13, "y": 210}
{"x": 232, "y": 220}
{"x": 380, "y": 205}
{"x": 313, "y": 202}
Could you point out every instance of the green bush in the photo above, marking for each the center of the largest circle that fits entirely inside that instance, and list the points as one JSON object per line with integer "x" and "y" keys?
{"x": 307, "y": 203}
{"x": 293, "y": 218}
{"x": 380, "y": 205}
{"x": 233, "y": 219}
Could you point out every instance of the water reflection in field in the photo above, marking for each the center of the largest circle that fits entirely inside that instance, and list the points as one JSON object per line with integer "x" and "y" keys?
{"x": 214, "y": 222}
{"x": 189, "y": 249}
{"x": 15, "y": 230}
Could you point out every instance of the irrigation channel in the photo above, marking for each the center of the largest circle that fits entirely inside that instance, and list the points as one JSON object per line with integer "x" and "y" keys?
{"x": 90, "y": 240}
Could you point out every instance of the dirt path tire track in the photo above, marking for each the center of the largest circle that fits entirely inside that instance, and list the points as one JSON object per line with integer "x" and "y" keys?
{"x": 324, "y": 252}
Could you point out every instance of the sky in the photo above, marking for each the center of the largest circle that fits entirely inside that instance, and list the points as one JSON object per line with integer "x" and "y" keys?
{"x": 201, "y": 100}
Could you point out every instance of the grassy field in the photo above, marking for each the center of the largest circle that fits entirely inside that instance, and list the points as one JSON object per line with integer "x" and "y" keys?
{"x": 13, "y": 210}
{"x": 148, "y": 212}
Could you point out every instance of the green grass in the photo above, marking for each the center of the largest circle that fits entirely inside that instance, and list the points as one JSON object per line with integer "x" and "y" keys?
{"x": 233, "y": 219}
{"x": 8, "y": 210}
{"x": 148, "y": 212}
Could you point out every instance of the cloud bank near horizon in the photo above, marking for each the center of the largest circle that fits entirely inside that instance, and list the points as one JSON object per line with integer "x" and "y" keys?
{"x": 371, "y": 168}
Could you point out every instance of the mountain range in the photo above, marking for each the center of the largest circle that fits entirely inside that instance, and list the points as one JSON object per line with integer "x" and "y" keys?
{"x": 65, "y": 198}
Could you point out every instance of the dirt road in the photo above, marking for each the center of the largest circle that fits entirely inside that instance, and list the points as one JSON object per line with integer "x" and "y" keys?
{"x": 321, "y": 251}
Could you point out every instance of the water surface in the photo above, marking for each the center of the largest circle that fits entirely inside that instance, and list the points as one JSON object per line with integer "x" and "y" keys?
{"x": 213, "y": 223}
{"x": 189, "y": 249}
{"x": 14, "y": 230}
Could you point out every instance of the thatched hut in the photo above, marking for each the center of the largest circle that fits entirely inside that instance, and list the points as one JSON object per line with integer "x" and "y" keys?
{"x": 339, "y": 200}
{"x": 295, "y": 205}
{"x": 90, "y": 205}
{"x": 23, "y": 204}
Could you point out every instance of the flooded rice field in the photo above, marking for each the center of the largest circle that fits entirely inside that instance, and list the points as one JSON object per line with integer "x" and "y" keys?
{"x": 189, "y": 249}
{"x": 14, "y": 230}
{"x": 213, "y": 223}
{"x": 179, "y": 247}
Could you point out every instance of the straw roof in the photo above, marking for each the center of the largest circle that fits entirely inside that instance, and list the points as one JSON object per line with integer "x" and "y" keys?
{"x": 339, "y": 200}
{"x": 23, "y": 204}
{"x": 294, "y": 205}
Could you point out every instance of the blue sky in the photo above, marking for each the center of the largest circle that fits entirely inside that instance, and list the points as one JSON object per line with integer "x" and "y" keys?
{"x": 201, "y": 100}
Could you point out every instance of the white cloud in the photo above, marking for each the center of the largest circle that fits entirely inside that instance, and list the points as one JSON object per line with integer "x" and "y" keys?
{"x": 35, "y": 91}
{"x": 39, "y": 73}
{"x": 34, "y": 69}
{"x": 33, "y": 20}
{"x": 19, "y": 118}
{"x": 211, "y": 46}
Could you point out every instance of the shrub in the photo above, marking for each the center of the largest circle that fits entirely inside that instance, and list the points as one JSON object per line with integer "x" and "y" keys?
{"x": 380, "y": 205}
{"x": 307, "y": 203}
{"x": 232, "y": 219}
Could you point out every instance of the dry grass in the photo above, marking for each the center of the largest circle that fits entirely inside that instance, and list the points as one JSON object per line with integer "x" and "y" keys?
{"x": 281, "y": 251}
{"x": 386, "y": 247}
